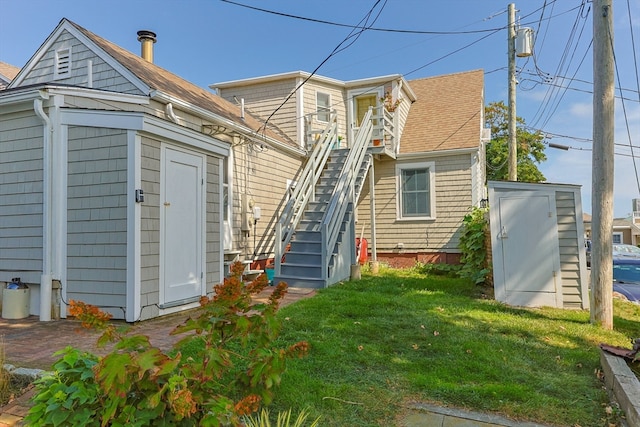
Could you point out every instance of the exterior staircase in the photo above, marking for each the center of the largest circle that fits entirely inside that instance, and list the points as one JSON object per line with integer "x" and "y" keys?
{"x": 315, "y": 236}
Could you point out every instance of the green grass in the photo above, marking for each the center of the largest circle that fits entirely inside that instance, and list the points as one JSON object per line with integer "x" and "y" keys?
{"x": 402, "y": 336}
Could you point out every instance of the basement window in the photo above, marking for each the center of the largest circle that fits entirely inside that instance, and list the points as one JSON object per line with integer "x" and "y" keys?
{"x": 63, "y": 63}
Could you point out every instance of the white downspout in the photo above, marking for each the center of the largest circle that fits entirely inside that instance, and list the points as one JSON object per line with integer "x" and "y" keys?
{"x": 45, "y": 279}
{"x": 169, "y": 111}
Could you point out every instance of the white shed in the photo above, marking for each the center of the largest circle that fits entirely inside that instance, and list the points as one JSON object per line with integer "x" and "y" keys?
{"x": 537, "y": 240}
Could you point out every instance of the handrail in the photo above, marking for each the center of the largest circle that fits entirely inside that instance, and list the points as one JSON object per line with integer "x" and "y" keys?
{"x": 304, "y": 191}
{"x": 343, "y": 194}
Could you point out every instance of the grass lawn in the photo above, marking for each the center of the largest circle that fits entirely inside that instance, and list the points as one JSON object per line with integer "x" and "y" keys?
{"x": 405, "y": 336}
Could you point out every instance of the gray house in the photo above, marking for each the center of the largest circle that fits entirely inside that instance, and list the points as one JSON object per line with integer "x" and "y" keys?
{"x": 112, "y": 179}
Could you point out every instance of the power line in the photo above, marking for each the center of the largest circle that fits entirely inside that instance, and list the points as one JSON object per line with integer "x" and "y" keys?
{"x": 336, "y": 50}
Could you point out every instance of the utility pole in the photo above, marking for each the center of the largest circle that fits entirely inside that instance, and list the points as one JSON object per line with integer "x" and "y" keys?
{"x": 513, "y": 149}
{"x": 602, "y": 159}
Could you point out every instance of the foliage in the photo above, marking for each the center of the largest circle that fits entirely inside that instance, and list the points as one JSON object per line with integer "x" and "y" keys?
{"x": 473, "y": 247}
{"x": 530, "y": 147}
{"x": 235, "y": 370}
{"x": 440, "y": 269}
{"x": 283, "y": 420}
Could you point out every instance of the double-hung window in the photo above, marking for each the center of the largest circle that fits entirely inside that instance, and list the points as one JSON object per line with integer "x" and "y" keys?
{"x": 415, "y": 190}
{"x": 323, "y": 106}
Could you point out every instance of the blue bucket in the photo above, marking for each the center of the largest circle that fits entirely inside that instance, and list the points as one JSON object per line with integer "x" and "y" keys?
{"x": 270, "y": 273}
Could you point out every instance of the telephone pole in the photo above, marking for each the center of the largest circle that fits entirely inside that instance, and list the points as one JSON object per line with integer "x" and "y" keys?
{"x": 602, "y": 159}
{"x": 513, "y": 149}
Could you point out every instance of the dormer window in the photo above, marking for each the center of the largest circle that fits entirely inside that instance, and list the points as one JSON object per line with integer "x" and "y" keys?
{"x": 63, "y": 63}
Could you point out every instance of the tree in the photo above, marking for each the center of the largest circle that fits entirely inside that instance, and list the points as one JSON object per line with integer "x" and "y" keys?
{"x": 530, "y": 146}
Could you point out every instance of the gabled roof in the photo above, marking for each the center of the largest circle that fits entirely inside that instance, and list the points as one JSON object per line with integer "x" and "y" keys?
{"x": 7, "y": 73}
{"x": 154, "y": 79}
{"x": 447, "y": 115}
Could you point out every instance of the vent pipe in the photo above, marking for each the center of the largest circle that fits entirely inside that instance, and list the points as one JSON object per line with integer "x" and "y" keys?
{"x": 147, "y": 39}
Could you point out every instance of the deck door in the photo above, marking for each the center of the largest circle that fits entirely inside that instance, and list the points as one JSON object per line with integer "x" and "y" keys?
{"x": 181, "y": 217}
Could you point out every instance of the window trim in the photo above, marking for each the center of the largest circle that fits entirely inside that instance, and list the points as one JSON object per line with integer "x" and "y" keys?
{"x": 62, "y": 68}
{"x": 325, "y": 109}
{"x": 430, "y": 166}
{"x": 617, "y": 234}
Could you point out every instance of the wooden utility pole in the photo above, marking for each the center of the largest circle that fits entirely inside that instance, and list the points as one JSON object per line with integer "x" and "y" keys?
{"x": 602, "y": 178}
{"x": 513, "y": 148}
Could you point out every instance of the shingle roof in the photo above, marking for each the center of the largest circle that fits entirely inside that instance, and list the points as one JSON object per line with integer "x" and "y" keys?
{"x": 157, "y": 78}
{"x": 447, "y": 114}
{"x": 7, "y": 73}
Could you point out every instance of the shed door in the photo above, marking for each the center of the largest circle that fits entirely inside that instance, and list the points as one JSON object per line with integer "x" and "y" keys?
{"x": 528, "y": 236}
{"x": 181, "y": 233}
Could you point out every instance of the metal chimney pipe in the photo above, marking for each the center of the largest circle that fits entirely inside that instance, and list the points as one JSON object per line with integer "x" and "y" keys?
{"x": 147, "y": 39}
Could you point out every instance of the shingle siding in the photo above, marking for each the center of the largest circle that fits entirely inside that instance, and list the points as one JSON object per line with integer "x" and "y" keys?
{"x": 97, "y": 216}
{"x": 453, "y": 200}
{"x": 103, "y": 75}
{"x": 150, "y": 228}
{"x": 569, "y": 255}
{"x": 21, "y": 151}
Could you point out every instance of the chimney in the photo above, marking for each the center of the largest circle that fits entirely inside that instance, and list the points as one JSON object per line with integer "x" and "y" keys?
{"x": 147, "y": 39}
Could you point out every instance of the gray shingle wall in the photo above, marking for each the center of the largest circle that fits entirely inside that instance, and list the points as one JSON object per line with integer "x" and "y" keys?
{"x": 21, "y": 196}
{"x": 97, "y": 217}
{"x": 214, "y": 238}
{"x": 104, "y": 76}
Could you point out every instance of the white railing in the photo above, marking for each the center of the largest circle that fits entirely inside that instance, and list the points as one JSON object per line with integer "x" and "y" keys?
{"x": 383, "y": 129}
{"x": 343, "y": 194}
{"x": 304, "y": 191}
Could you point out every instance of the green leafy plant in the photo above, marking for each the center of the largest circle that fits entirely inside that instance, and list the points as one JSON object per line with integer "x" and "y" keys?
{"x": 473, "y": 247}
{"x": 233, "y": 369}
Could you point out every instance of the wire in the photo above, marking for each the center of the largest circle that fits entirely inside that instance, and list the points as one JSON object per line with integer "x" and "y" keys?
{"x": 624, "y": 108}
{"x": 336, "y": 50}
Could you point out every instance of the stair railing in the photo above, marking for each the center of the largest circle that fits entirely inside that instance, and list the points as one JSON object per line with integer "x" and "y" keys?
{"x": 344, "y": 193}
{"x": 304, "y": 190}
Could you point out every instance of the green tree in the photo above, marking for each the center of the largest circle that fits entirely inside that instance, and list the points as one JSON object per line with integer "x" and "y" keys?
{"x": 530, "y": 146}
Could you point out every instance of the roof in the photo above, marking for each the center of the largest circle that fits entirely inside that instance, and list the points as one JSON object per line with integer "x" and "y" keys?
{"x": 157, "y": 78}
{"x": 7, "y": 73}
{"x": 447, "y": 114}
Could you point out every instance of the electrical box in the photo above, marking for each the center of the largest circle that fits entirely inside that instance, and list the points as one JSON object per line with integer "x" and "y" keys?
{"x": 257, "y": 213}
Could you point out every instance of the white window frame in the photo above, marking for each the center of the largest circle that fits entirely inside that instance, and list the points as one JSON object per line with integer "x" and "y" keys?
{"x": 323, "y": 111}
{"x": 431, "y": 167}
{"x": 620, "y": 235}
{"x": 62, "y": 66}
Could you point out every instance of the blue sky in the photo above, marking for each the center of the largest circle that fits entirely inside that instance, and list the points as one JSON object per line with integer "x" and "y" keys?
{"x": 209, "y": 41}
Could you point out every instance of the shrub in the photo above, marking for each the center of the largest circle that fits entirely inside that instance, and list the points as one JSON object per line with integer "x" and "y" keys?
{"x": 473, "y": 247}
{"x": 234, "y": 369}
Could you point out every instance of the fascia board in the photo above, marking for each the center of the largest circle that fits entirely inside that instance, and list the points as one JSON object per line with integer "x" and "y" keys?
{"x": 99, "y": 95}
{"x": 276, "y": 77}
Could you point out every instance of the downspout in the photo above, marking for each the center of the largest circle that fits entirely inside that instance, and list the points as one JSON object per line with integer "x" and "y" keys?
{"x": 46, "y": 277}
{"x": 169, "y": 111}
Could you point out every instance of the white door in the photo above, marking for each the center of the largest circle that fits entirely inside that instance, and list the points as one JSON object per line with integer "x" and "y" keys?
{"x": 528, "y": 236}
{"x": 181, "y": 235}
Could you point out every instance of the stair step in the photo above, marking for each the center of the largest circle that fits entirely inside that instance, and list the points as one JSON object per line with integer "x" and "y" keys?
{"x": 300, "y": 282}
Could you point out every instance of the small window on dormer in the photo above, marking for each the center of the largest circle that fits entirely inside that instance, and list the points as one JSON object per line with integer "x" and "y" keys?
{"x": 63, "y": 63}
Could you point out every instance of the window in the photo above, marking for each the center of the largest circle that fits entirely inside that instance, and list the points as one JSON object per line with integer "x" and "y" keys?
{"x": 617, "y": 238}
{"x": 415, "y": 190}
{"x": 63, "y": 63}
{"x": 323, "y": 106}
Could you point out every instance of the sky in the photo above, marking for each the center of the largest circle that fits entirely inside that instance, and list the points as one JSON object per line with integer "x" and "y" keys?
{"x": 211, "y": 41}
